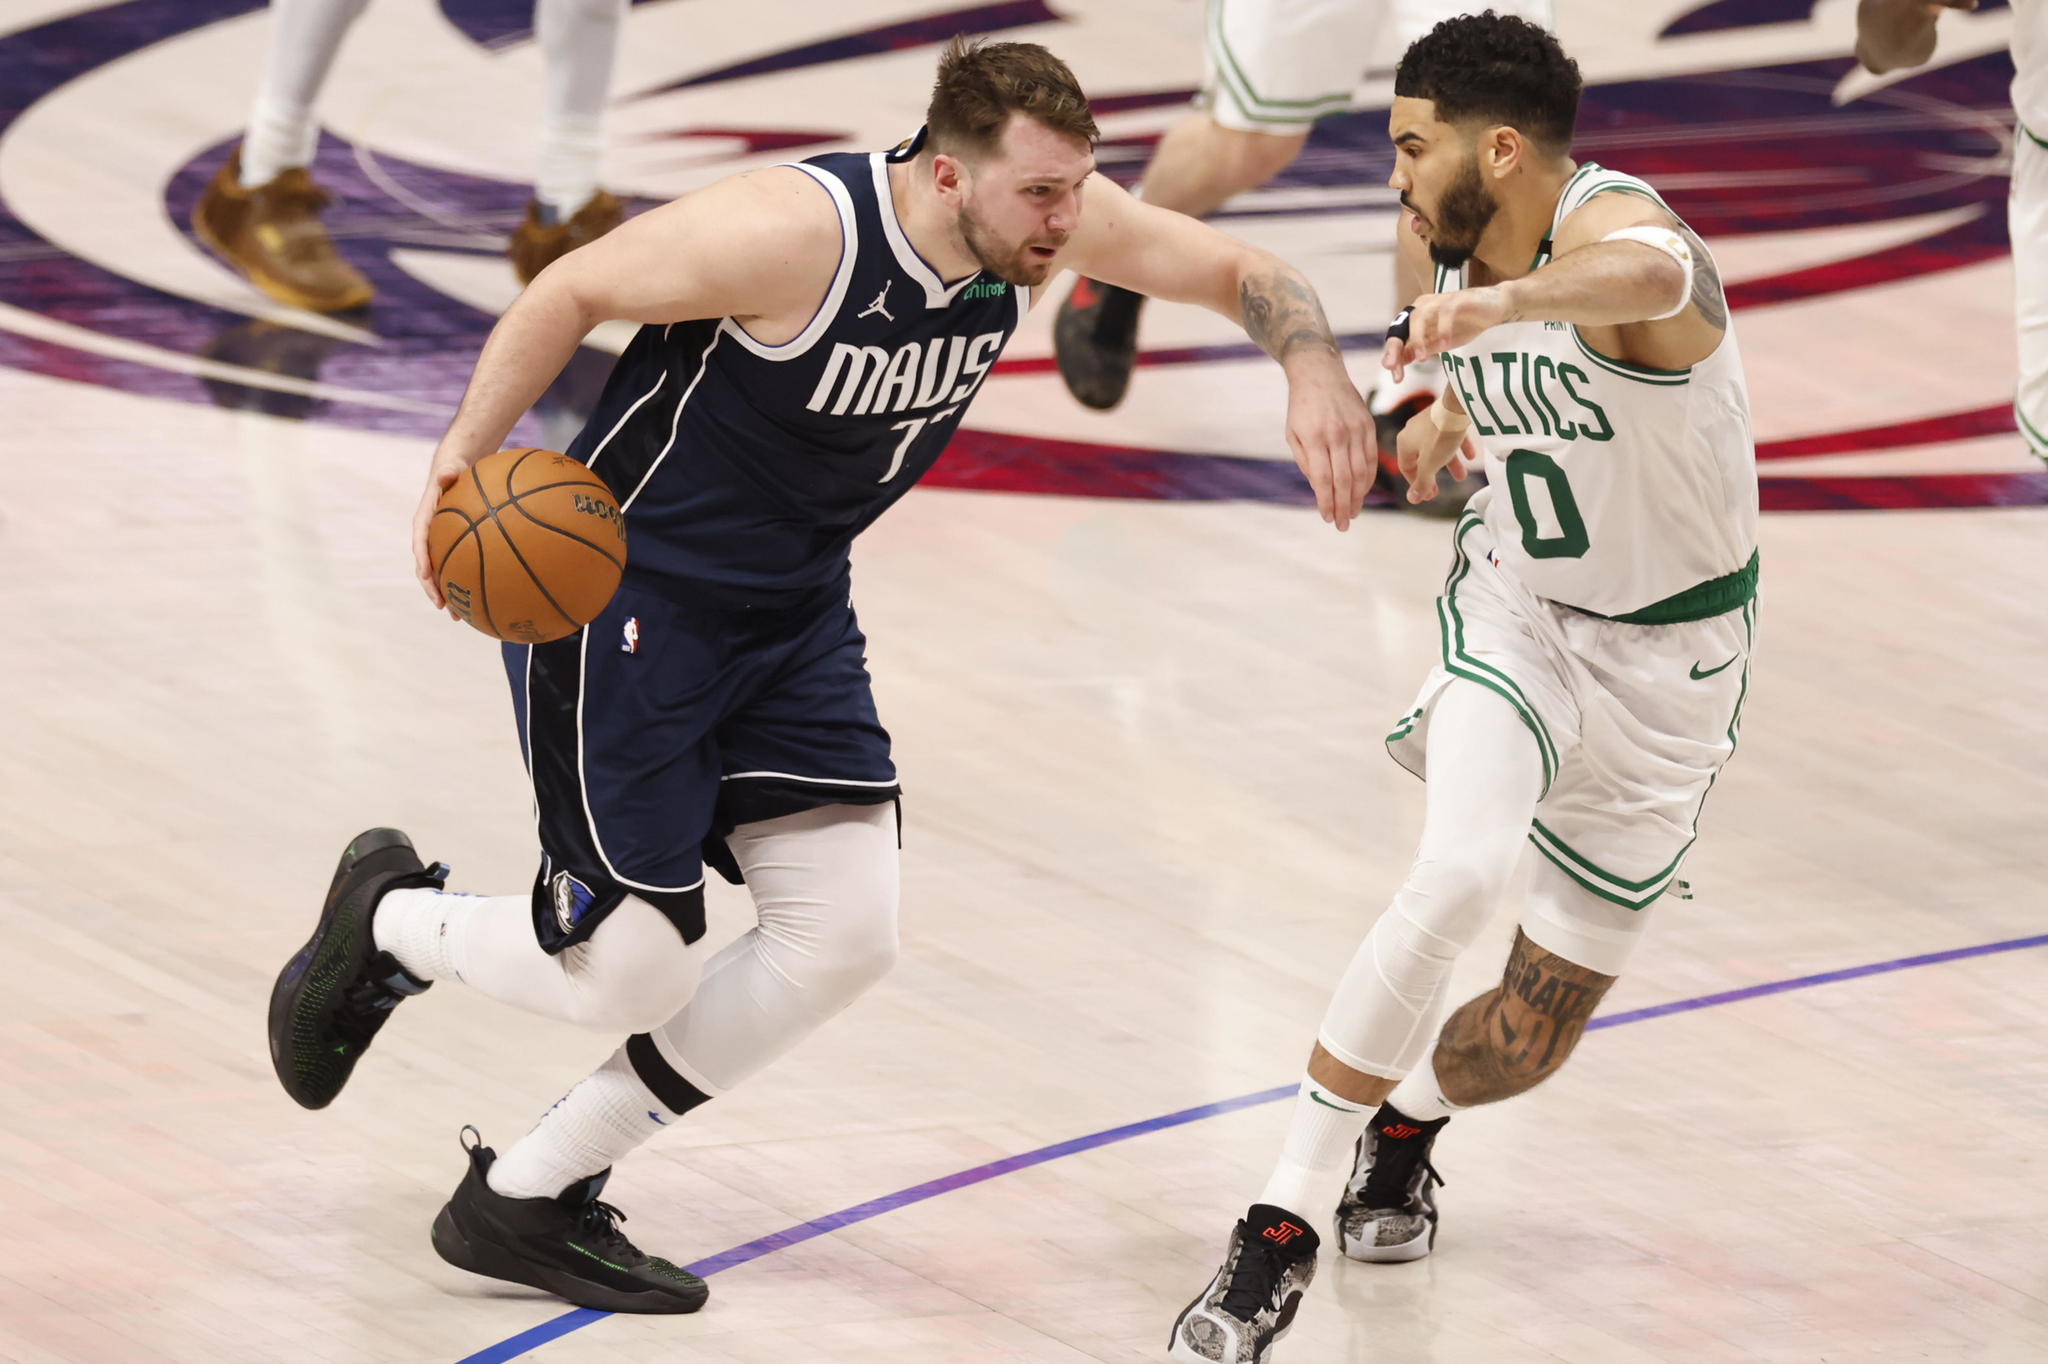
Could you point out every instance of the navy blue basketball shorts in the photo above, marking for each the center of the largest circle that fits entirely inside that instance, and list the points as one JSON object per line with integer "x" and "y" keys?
{"x": 666, "y": 723}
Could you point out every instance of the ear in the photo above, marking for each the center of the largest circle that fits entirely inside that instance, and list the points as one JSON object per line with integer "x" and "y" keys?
{"x": 1501, "y": 151}
{"x": 950, "y": 178}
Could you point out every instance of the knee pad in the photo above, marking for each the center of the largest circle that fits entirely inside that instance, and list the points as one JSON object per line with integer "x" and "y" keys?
{"x": 635, "y": 972}
{"x": 1444, "y": 904}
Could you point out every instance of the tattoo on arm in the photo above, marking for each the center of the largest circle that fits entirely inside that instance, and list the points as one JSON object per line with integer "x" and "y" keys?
{"x": 1513, "y": 1036}
{"x": 1706, "y": 281}
{"x": 1282, "y": 313}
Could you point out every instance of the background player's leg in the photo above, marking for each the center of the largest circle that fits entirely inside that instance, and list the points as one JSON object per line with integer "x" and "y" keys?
{"x": 825, "y": 885}
{"x": 629, "y": 975}
{"x": 305, "y": 35}
{"x": 261, "y": 210}
{"x": 1485, "y": 776}
{"x": 579, "y": 41}
{"x": 1201, "y": 165}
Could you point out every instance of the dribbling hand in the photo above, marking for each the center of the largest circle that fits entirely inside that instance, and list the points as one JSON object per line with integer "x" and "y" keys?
{"x": 441, "y": 476}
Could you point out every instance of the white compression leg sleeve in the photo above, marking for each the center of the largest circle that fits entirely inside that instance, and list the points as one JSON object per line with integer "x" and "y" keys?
{"x": 579, "y": 42}
{"x": 825, "y": 885}
{"x": 1485, "y": 776}
{"x": 631, "y": 974}
{"x": 305, "y": 35}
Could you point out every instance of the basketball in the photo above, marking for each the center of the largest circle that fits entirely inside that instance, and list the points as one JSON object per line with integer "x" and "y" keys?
{"x": 528, "y": 545}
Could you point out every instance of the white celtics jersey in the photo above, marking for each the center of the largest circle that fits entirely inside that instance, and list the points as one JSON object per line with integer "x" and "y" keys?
{"x": 1611, "y": 488}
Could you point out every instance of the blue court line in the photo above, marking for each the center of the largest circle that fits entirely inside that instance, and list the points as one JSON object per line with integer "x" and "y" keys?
{"x": 554, "y": 1329}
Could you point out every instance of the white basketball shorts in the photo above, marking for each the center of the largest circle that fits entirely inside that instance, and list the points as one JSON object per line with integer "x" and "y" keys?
{"x": 1633, "y": 722}
{"x": 1276, "y": 66}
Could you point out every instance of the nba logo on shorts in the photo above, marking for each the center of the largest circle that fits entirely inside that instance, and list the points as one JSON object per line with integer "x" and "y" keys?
{"x": 629, "y": 641}
{"x": 572, "y": 901}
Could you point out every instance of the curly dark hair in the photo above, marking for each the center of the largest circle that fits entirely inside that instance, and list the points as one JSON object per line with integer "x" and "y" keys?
{"x": 1498, "y": 68}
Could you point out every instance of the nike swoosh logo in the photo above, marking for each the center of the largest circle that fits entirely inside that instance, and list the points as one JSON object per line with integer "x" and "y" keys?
{"x": 1318, "y": 1097}
{"x": 1698, "y": 675}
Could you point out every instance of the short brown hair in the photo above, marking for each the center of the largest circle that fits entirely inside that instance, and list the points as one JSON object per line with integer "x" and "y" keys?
{"x": 981, "y": 84}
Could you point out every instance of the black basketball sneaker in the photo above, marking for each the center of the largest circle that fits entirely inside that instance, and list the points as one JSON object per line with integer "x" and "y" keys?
{"x": 1095, "y": 341}
{"x": 337, "y": 990}
{"x": 1252, "y": 1300}
{"x": 569, "y": 1245}
{"x": 1388, "y": 1211}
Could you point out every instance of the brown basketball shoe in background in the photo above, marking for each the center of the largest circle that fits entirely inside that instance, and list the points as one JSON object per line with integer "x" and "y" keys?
{"x": 537, "y": 245}
{"x": 272, "y": 234}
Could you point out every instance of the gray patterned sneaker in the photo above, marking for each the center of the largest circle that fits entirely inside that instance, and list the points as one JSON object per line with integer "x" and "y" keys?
{"x": 569, "y": 1245}
{"x": 1252, "y": 1300}
{"x": 1388, "y": 1211}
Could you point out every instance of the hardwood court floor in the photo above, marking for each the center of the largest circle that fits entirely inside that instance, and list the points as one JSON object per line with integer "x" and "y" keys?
{"x": 1148, "y": 815}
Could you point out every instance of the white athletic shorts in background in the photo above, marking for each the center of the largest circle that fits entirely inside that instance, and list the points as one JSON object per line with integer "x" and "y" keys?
{"x": 1633, "y": 721}
{"x": 1276, "y": 66}
{"x": 2027, "y": 217}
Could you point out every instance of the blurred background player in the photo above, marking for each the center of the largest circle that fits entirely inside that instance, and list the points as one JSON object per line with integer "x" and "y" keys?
{"x": 1895, "y": 34}
{"x": 1273, "y": 67}
{"x": 1597, "y": 628}
{"x": 261, "y": 211}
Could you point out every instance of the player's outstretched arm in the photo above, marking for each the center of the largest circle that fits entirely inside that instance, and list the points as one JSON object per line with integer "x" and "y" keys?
{"x": 757, "y": 246}
{"x": 1894, "y": 34}
{"x": 1166, "y": 255}
{"x": 1623, "y": 268}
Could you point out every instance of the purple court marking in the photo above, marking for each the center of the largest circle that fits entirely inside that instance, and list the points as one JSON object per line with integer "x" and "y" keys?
{"x": 515, "y": 1346}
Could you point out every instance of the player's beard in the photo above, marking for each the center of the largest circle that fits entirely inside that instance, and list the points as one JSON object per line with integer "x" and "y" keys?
{"x": 1462, "y": 217}
{"x": 1012, "y": 263}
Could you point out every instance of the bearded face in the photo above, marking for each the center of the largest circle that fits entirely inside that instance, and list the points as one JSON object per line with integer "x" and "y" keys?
{"x": 1025, "y": 261}
{"x": 1463, "y": 212}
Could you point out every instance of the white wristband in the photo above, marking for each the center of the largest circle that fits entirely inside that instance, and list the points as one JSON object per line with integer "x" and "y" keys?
{"x": 1672, "y": 245}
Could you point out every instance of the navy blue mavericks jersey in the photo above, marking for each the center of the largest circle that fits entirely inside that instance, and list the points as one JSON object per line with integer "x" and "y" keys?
{"x": 755, "y": 466}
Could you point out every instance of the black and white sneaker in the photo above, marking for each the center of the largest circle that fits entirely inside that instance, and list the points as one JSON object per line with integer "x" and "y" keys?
{"x": 1252, "y": 1300}
{"x": 1388, "y": 1211}
{"x": 1095, "y": 341}
{"x": 337, "y": 990}
{"x": 569, "y": 1245}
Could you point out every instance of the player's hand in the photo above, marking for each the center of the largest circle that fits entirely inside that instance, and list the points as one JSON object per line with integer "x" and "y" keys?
{"x": 1441, "y": 322}
{"x": 1425, "y": 450}
{"x": 441, "y": 475}
{"x": 1329, "y": 429}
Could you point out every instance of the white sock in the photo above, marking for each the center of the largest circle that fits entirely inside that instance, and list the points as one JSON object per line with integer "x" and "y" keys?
{"x": 303, "y": 42}
{"x": 607, "y": 1114}
{"x": 1317, "y": 1156}
{"x": 579, "y": 41}
{"x": 1420, "y": 1096}
{"x": 414, "y": 926}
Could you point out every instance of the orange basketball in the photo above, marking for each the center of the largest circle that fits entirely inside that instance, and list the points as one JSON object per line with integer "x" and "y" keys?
{"x": 528, "y": 545}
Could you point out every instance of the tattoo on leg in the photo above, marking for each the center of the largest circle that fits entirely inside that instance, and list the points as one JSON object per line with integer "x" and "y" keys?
{"x": 1515, "y": 1035}
{"x": 1281, "y": 312}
